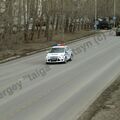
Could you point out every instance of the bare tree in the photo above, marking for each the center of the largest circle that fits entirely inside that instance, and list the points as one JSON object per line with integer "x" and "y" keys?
{"x": 33, "y": 19}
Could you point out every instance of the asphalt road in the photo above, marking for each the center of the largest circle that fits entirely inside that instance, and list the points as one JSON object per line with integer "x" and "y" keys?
{"x": 32, "y": 90}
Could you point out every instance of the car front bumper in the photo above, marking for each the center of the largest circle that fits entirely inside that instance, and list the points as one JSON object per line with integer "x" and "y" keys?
{"x": 56, "y": 60}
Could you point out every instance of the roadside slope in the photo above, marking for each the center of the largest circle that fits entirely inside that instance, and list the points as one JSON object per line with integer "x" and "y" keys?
{"x": 107, "y": 105}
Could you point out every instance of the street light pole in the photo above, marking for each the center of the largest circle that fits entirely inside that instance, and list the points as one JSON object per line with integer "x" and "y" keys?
{"x": 114, "y": 12}
{"x": 95, "y": 14}
{"x": 95, "y": 9}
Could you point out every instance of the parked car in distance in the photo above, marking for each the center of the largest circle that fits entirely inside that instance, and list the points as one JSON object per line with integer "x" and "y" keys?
{"x": 104, "y": 25}
{"x": 118, "y": 31}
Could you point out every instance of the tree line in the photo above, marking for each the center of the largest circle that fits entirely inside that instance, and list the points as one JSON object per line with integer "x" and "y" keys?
{"x": 27, "y": 20}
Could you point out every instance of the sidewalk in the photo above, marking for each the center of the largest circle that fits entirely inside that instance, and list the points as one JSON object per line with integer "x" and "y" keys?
{"x": 107, "y": 106}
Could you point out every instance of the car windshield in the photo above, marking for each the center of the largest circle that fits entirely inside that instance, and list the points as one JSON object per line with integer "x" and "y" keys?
{"x": 57, "y": 50}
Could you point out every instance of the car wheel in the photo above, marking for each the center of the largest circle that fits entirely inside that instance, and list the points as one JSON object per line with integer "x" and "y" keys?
{"x": 71, "y": 58}
{"x": 65, "y": 61}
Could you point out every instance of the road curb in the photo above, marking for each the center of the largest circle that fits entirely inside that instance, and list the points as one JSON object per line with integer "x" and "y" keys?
{"x": 96, "y": 105}
{"x": 41, "y": 50}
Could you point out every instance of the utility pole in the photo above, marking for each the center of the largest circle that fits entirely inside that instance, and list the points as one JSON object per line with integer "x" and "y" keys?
{"x": 114, "y": 12}
{"x": 95, "y": 14}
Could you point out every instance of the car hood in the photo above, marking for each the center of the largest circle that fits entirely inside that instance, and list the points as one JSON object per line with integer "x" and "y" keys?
{"x": 55, "y": 54}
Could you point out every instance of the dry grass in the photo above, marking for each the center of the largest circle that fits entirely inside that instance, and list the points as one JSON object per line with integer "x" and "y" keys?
{"x": 23, "y": 48}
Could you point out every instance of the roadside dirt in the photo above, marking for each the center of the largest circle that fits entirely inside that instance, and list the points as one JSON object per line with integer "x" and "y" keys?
{"x": 107, "y": 106}
{"x": 23, "y": 48}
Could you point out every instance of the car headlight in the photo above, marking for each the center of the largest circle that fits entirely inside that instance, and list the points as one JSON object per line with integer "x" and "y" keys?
{"x": 62, "y": 57}
{"x": 47, "y": 57}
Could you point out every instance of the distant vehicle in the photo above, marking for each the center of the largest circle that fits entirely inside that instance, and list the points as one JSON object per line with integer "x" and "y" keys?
{"x": 118, "y": 31}
{"x": 103, "y": 24}
{"x": 59, "y": 54}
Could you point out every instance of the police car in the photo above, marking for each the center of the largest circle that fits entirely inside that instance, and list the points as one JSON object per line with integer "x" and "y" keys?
{"x": 59, "y": 53}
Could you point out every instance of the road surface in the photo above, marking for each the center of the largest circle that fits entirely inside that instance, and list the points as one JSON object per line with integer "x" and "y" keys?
{"x": 32, "y": 90}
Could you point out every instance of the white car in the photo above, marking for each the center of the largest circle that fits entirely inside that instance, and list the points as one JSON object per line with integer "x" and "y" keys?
{"x": 59, "y": 54}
